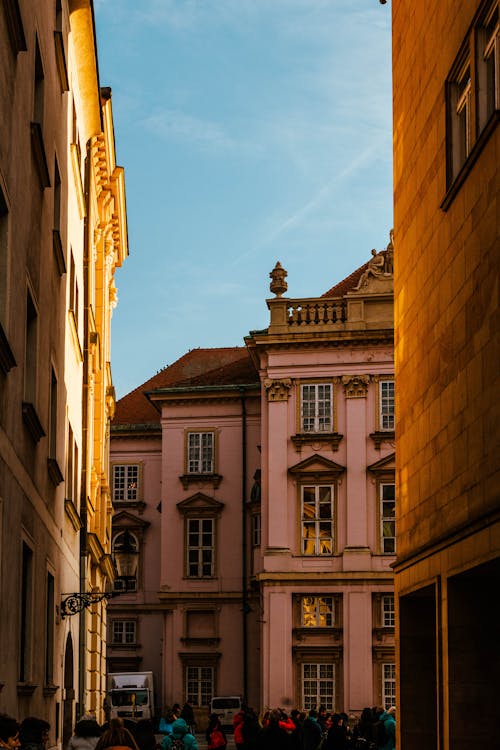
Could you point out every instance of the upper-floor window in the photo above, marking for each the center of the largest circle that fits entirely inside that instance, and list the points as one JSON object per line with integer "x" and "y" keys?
{"x": 256, "y": 529}
{"x": 200, "y": 452}
{"x": 317, "y": 611}
{"x": 38, "y": 97}
{"x": 31, "y": 350}
{"x": 387, "y": 611}
{"x": 125, "y": 483}
{"x": 200, "y": 552}
{"x": 316, "y": 407}
{"x": 488, "y": 65}
{"x": 473, "y": 79}
{"x": 124, "y": 631}
{"x": 388, "y": 517}
{"x": 4, "y": 236}
{"x": 386, "y": 405}
{"x": 317, "y": 519}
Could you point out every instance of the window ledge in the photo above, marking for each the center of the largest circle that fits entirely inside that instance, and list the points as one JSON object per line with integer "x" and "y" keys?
{"x": 468, "y": 164}
{"x": 209, "y": 641}
{"x": 333, "y": 633}
{"x": 380, "y": 633}
{"x": 26, "y": 688}
{"x": 38, "y": 148}
{"x": 55, "y": 473}
{"x": 138, "y": 505}
{"x": 309, "y": 438}
{"x": 50, "y": 690}
{"x": 188, "y": 479}
{"x": 382, "y": 436}
{"x": 7, "y": 361}
{"x": 32, "y": 422}
{"x": 124, "y": 646}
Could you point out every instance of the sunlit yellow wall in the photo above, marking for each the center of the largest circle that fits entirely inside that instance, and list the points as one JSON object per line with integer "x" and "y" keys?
{"x": 446, "y": 290}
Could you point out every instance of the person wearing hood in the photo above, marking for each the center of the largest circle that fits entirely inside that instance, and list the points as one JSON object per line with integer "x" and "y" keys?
{"x": 180, "y": 731}
{"x": 86, "y": 734}
{"x": 389, "y": 722}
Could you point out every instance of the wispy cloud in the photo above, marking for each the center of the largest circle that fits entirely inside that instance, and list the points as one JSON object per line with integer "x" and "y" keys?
{"x": 298, "y": 217}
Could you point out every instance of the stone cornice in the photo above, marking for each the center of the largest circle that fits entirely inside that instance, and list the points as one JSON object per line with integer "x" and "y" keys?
{"x": 335, "y": 578}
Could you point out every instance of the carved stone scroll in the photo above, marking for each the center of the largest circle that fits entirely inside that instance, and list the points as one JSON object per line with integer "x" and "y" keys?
{"x": 356, "y": 386}
{"x": 278, "y": 390}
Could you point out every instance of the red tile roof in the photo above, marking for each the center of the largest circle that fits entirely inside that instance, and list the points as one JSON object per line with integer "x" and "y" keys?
{"x": 223, "y": 366}
{"x": 347, "y": 285}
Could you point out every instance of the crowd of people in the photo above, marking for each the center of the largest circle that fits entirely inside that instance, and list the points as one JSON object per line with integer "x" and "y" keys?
{"x": 318, "y": 729}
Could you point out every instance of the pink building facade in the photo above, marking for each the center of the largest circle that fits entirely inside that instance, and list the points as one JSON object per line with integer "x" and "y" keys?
{"x": 264, "y": 516}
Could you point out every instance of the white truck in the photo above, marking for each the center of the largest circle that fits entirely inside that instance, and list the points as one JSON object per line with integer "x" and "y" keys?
{"x": 131, "y": 695}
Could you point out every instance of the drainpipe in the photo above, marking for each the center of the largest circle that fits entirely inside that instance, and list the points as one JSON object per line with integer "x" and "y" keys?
{"x": 244, "y": 600}
{"x": 83, "y": 489}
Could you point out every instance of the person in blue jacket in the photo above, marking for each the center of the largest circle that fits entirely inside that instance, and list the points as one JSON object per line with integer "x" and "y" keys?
{"x": 180, "y": 730}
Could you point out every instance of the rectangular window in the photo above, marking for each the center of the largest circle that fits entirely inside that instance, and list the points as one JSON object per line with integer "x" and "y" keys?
{"x": 317, "y": 612}
{"x": 49, "y": 631}
{"x": 30, "y": 351}
{"x": 388, "y": 517}
{"x": 199, "y": 685}
{"x": 318, "y": 686}
{"x": 317, "y": 519}
{"x": 4, "y": 237}
{"x": 256, "y": 527}
{"x": 125, "y": 483}
{"x": 124, "y": 631}
{"x": 387, "y": 614}
{"x": 488, "y": 66}
{"x": 53, "y": 417}
{"x": 200, "y": 453}
{"x": 387, "y": 413}
{"x": 26, "y": 619}
{"x": 38, "y": 99}
{"x": 316, "y": 407}
{"x": 200, "y": 547}
{"x": 388, "y": 685}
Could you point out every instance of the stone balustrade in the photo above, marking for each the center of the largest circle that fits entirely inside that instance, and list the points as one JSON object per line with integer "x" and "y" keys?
{"x": 316, "y": 312}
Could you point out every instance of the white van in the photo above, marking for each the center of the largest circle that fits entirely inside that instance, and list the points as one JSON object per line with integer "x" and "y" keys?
{"x": 226, "y": 707}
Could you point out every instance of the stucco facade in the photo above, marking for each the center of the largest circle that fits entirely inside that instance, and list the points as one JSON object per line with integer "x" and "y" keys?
{"x": 274, "y": 466}
{"x": 446, "y": 181}
{"x": 62, "y": 234}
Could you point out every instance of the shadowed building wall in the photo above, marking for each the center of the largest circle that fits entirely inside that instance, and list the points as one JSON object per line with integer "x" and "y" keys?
{"x": 446, "y": 145}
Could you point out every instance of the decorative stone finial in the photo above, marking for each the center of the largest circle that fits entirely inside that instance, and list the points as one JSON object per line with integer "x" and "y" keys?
{"x": 278, "y": 284}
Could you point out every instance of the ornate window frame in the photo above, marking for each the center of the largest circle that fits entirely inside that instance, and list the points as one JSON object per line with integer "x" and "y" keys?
{"x": 201, "y": 477}
{"x": 321, "y": 437}
{"x": 200, "y": 507}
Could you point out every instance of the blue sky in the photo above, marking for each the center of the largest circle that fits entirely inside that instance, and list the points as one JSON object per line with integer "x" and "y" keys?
{"x": 251, "y": 131}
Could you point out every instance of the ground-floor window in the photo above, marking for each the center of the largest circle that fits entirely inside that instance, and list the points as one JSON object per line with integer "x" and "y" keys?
{"x": 318, "y": 686}
{"x": 199, "y": 685}
{"x": 388, "y": 685}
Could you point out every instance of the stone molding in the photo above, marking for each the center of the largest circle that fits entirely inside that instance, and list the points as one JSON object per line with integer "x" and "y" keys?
{"x": 356, "y": 386}
{"x": 278, "y": 390}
